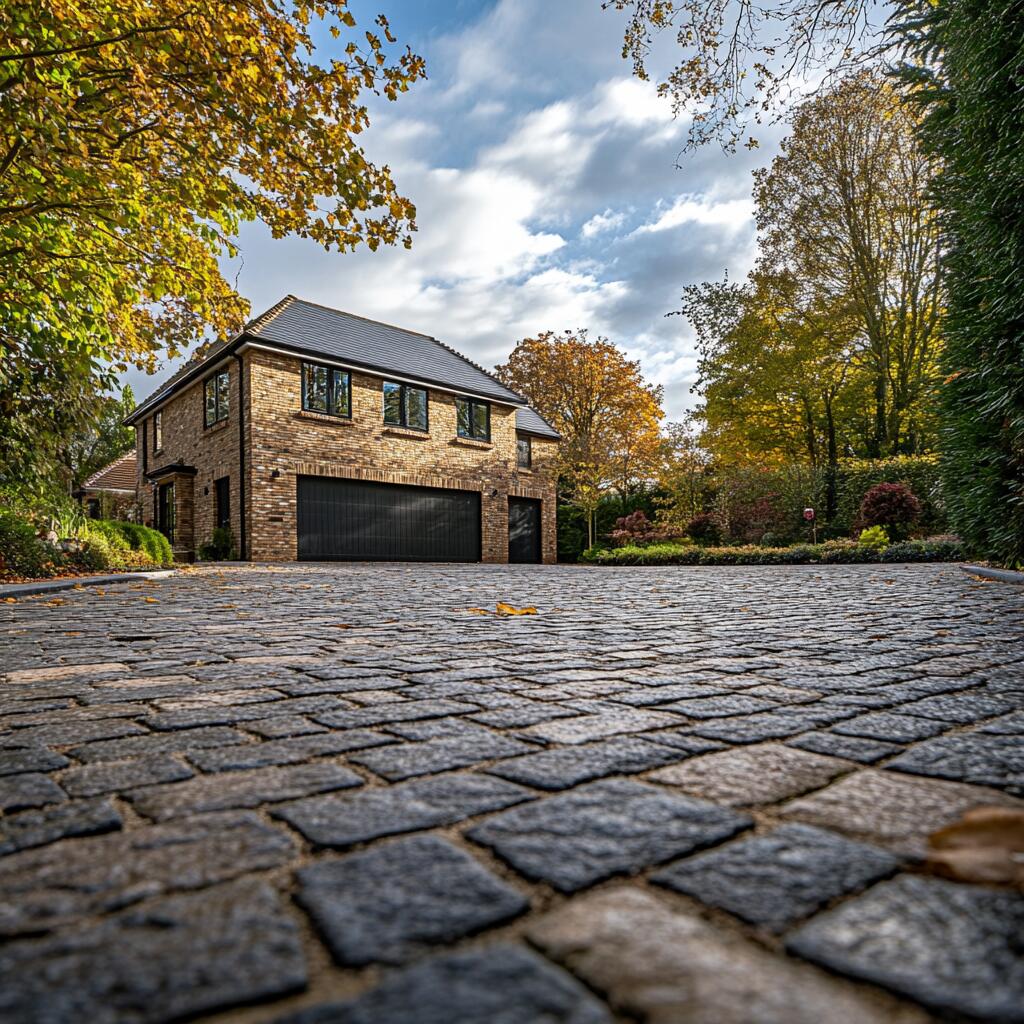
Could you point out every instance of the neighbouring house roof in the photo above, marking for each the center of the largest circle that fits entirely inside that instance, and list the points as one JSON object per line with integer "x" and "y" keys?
{"x": 306, "y": 328}
{"x": 529, "y": 421}
{"x": 119, "y": 475}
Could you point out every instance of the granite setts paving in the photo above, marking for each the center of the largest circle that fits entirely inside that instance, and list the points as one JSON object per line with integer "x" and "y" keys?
{"x": 321, "y": 794}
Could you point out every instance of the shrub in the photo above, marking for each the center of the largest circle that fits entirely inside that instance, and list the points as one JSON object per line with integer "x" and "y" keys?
{"x": 22, "y": 553}
{"x": 894, "y": 506}
{"x": 704, "y": 529}
{"x": 222, "y": 546}
{"x": 874, "y": 537}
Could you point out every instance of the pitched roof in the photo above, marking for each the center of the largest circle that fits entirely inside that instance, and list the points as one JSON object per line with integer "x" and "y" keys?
{"x": 309, "y": 327}
{"x": 529, "y": 421}
{"x": 119, "y": 475}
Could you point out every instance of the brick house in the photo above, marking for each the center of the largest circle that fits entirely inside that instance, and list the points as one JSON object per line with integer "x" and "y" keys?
{"x": 110, "y": 492}
{"x": 318, "y": 435}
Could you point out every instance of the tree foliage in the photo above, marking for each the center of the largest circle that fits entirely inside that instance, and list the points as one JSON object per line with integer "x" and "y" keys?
{"x": 103, "y": 439}
{"x": 830, "y": 348}
{"x": 597, "y": 399}
{"x": 742, "y": 62}
{"x": 135, "y": 137}
{"x": 964, "y": 65}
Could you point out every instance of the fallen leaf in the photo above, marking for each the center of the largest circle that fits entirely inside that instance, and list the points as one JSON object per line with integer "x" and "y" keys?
{"x": 342, "y": 625}
{"x": 509, "y": 609}
{"x": 985, "y": 845}
{"x": 10, "y": 600}
{"x": 152, "y": 600}
{"x": 478, "y": 611}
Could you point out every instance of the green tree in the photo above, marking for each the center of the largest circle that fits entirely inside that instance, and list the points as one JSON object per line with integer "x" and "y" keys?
{"x": 135, "y": 137}
{"x": 964, "y": 64}
{"x": 104, "y": 439}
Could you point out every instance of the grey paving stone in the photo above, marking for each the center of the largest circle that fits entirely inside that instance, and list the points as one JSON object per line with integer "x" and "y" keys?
{"x": 284, "y": 725}
{"x": 774, "y": 880}
{"x": 30, "y": 789}
{"x": 240, "y": 789}
{"x": 38, "y": 827}
{"x": 43, "y": 888}
{"x": 497, "y": 985}
{"x": 171, "y": 958}
{"x": 961, "y": 708}
{"x": 600, "y": 726}
{"x": 853, "y": 748}
{"x": 528, "y": 712}
{"x": 158, "y": 743}
{"x": 290, "y": 750}
{"x": 30, "y": 759}
{"x": 661, "y": 965}
{"x": 747, "y": 776}
{"x": 891, "y": 728}
{"x": 113, "y": 776}
{"x": 986, "y": 759}
{"x": 344, "y": 820}
{"x": 238, "y": 713}
{"x": 437, "y": 728}
{"x": 386, "y": 903}
{"x": 750, "y": 728}
{"x": 684, "y": 740}
{"x": 383, "y": 714}
{"x": 955, "y": 948}
{"x": 406, "y": 760}
{"x": 563, "y": 767}
{"x": 603, "y": 829}
{"x": 720, "y": 706}
{"x": 67, "y": 733}
{"x": 890, "y": 809}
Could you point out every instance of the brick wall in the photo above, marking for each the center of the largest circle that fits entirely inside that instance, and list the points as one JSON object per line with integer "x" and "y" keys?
{"x": 282, "y": 438}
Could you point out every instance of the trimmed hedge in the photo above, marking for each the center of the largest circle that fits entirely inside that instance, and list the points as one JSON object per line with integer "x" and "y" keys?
{"x": 939, "y": 550}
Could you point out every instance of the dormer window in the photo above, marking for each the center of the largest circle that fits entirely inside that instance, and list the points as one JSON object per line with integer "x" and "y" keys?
{"x": 473, "y": 419}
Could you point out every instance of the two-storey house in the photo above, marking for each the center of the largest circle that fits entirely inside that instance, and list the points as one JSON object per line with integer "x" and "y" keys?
{"x": 318, "y": 435}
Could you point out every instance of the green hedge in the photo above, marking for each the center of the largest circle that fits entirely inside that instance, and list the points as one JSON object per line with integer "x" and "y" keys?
{"x": 939, "y": 550}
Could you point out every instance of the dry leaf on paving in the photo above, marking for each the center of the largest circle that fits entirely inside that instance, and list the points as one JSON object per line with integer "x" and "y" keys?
{"x": 985, "y": 845}
{"x": 152, "y": 600}
{"x": 510, "y": 609}
{"x": 478, "y": 611}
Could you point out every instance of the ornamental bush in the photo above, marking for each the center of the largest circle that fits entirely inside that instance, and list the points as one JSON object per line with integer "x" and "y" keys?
{"x": 894, "y": 506}
{"x": 704, "y": 529}
{"x": 22, "y": 553}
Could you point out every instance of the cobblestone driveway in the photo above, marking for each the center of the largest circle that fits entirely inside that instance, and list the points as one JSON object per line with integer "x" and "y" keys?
{"x": 336, "y": 794}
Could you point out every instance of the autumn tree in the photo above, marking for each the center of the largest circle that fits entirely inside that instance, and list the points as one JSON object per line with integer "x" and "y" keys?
{"x": 844, "y": 211}
{"x": 683, "y": 474}
{"x": 135, "y": 137}
{"x": 598, "y": 400}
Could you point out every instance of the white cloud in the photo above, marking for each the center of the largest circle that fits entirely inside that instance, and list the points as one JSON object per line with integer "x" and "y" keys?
{"x": 600, "y": 222}
{"x": 734, "y": 214}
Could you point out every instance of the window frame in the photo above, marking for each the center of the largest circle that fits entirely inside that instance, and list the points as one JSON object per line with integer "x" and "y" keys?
{"x": 528, "y": 441}
{"x": 218, "y": 416}
{"x": 158, "y": 430}
{"x": 332, "y": 373}
{"x": 472, "y": 404}
{"x": 403, "y": 406}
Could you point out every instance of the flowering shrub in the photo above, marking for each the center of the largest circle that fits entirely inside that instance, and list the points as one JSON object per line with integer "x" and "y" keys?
{"x": 893, "y": 506}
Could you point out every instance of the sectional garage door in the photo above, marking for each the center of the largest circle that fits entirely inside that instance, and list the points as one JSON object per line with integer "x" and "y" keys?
{"x": 356, "y": 520}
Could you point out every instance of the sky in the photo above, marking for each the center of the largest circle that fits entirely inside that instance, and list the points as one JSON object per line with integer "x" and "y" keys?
{"x": 551, "y": 189}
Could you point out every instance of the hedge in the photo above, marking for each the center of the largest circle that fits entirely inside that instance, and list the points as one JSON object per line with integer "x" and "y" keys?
{"x": 937, "y": 550}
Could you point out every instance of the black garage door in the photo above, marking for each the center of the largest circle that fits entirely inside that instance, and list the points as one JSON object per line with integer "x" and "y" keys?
{"x": 523, "y": 530}
{"x": 358, "y": 520}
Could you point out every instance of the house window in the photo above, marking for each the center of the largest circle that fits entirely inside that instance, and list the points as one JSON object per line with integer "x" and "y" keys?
{"x": 326, "y": 390}
{"x": 215, "y": 398}
{"x": 524, "y": 452}
{"x": 473, "y": 419}
{"x": 158, "y": 432}
{"x": 405, "y": 406}
{"x": 222, "y": 495}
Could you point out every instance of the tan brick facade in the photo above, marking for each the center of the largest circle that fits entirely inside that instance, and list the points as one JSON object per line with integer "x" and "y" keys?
{"x": 282, "y": 439}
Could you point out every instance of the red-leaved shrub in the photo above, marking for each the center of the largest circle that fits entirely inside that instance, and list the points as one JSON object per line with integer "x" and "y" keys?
{"x": 704, "y": 529}
{"x": 893, "y": 506}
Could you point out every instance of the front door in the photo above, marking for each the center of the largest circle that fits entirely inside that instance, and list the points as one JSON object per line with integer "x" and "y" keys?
{"x": 165, "y": 511}
{"x": 524, "y": 530}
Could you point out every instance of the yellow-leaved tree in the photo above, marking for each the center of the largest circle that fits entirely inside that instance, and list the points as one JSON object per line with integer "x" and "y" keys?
{"x": 597, "y": 399}
{"x": 135, "y": 137}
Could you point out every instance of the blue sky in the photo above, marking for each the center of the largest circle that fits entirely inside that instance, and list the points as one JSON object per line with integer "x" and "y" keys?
{"x": 547, "y": 188}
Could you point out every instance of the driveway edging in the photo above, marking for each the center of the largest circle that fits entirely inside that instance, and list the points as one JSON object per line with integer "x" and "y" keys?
{"x": 52, "y": 586}
{"x": 988, "y": 573}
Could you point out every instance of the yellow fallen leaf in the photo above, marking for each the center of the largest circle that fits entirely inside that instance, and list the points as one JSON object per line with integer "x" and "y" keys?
{"x": 511, "y": 609}
{"x": 478, "y": 611}
{"x": 10, "y": 600}
{"x": 985, "y": 845}
{"x": 152, "y": 600}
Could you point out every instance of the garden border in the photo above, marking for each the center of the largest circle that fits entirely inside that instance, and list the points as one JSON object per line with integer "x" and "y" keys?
{"x": 70, "y": 582}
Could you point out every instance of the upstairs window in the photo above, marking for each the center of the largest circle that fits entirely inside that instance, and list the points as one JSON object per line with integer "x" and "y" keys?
{"x": 158, "y": 432}
{"x": 326, "y": 390}
{"x": 405, "y": 406}
{"x": 215, "y": 398}
{"x": 473, "y": 419}
{"x": 524, "y": 452}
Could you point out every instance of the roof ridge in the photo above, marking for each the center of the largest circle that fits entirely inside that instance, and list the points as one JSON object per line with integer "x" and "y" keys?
{"x": 268, "y": 314}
